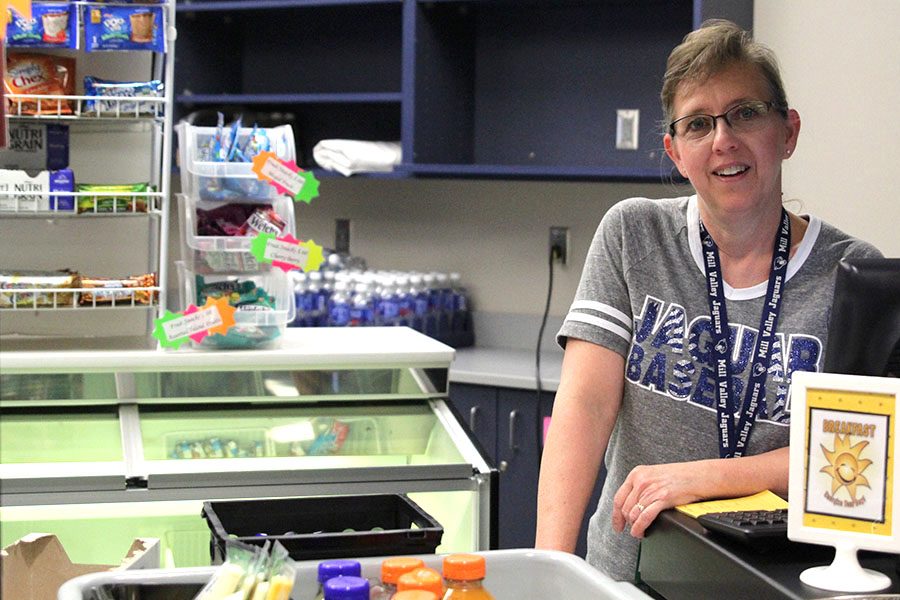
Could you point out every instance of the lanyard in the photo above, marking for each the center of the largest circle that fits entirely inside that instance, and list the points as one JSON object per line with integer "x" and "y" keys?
{"x": 732, "y": 443}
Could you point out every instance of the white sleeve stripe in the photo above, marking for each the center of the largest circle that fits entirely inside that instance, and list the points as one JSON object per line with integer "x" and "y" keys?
{"x": 601, "y": 323}
{"x": 603, "y": 309}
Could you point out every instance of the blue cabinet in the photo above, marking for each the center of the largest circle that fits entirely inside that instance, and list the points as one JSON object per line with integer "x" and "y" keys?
{"x": 471, "y": 88}
{"x": 508, "y": 424}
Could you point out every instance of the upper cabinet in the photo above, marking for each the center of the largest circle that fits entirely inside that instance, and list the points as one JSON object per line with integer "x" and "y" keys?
{"x": 471, "y": 88}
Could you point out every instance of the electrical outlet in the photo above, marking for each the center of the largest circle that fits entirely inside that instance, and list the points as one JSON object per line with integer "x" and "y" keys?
{"x": 627, "y": 120}
{"x": 559, "y": 244}
{"x": 342, "y": 236}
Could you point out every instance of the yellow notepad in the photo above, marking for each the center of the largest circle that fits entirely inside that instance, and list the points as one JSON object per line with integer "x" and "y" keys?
{"x": 762, "y": 501}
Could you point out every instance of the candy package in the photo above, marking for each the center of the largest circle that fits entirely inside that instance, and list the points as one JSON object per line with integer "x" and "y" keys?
{"x": 239, "y": 292}
{"x": 52, "y": 25}
{"x": 40, "y": 74}
{"x": 109, "y": 94}
{"x": 238, "y": 219}
{"x": 114, "y": 27}
{"x": 263, "y": 220}
{"x": 235, "y": 146}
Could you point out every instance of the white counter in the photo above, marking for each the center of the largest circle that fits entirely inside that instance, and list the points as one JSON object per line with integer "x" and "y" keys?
{"x": 505, "y": 367}
{"x": 318, "y": 347}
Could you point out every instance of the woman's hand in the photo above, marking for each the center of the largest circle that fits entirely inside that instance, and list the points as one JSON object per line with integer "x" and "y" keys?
{"x": 650, "y": 489}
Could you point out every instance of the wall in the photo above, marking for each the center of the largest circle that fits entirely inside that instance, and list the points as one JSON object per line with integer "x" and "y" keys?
{"x": 840, "y": 64}
{"x": 494, "y": 233}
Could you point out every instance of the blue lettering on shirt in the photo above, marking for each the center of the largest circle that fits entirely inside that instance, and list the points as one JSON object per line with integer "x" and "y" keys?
{"x": 674, "y": 358}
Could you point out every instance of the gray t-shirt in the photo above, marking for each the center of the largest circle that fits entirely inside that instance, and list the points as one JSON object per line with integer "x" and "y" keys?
{"x": 643, "y": 295}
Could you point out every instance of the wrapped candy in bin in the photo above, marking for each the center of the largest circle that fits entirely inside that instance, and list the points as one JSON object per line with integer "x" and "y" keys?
{"x": 263, "y": 301}
{"x": 228, "y": 177}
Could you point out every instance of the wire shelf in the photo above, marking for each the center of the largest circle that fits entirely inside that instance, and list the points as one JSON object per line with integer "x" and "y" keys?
{"x": 78, "y": 298}
{"x": 100, "y": 203}
{"x": 61, "y": 107}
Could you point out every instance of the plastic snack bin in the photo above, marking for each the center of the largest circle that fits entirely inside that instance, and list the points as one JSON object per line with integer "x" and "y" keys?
{"x": 253, "y": 328}
{"x": 511, "y": 575}
{"x": 226, "y": 181}
{"x": 325, "y": 527}
{"x": 220, "y": 254}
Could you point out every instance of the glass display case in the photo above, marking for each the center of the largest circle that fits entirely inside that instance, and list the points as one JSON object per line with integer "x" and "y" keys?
{"x": 100, "y": 447}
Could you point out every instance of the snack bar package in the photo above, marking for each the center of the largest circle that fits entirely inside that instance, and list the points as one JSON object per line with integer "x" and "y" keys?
{"x": 52, "y": 25}
{"x": 41, "y": 74}
{"x": 104, "y": 88}
{"x": 38, "y": 280}
{"x": 20, "y": 192}
{"x": 36, "y": 147}
{"x": 136, "y": 27}
{"x": 118, "y": 291}
{"x": 115, "y": 197}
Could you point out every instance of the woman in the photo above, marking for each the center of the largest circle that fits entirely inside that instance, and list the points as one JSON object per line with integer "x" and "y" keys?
{"x": 691, "y": 315}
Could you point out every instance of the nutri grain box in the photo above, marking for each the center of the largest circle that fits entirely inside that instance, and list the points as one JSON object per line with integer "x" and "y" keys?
{"x": 36, "y": 147}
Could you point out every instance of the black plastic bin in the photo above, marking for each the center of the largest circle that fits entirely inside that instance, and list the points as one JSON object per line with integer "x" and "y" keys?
{"x": 325, "y": 526}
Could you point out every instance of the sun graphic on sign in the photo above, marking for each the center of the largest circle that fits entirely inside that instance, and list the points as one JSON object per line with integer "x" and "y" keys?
{"x": 845, "y": 465}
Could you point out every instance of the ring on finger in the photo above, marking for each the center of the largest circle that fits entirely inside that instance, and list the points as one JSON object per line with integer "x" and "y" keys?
{"x": 640, "y": 507}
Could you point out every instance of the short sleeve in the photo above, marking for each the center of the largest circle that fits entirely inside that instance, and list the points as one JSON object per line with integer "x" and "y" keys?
{"x": 601, "y": 311}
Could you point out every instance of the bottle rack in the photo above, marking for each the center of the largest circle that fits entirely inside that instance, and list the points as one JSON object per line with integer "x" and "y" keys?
{"x": 85, "y": 237}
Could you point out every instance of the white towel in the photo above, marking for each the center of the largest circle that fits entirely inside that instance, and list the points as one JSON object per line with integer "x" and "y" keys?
{"x": 356, "y": 156}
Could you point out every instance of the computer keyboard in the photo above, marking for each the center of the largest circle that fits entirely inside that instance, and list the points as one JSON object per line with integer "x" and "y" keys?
{"x": 748, "y": 525}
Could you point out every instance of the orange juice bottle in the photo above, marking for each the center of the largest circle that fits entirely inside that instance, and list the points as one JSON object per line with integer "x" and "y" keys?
{"x": 416, "y": 595}
{"x": 422, "y": 579}
{"x": 391, "y": 570}
{"x": 464, "y": 577}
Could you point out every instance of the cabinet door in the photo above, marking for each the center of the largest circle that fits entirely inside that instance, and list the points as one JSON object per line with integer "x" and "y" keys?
{"x": 476, "y": 407}
{"x": 519, "y": 433}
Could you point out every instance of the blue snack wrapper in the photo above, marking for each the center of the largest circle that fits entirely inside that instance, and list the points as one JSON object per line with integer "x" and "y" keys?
{"x": 62, "y": 180}
{"x": 137, "y": 27}
{"x": 52, "y": 25}
{"x": 104, "y": 88}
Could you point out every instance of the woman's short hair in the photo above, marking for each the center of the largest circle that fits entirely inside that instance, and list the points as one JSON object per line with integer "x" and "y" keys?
{"x": 706, "y": 51}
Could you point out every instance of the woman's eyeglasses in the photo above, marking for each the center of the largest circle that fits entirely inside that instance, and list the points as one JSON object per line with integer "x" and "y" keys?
{"x": 743, "y": 118}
